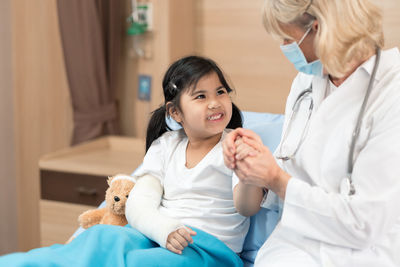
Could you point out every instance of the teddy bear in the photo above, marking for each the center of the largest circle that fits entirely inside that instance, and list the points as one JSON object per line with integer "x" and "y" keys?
{"x": 120, "y": 186}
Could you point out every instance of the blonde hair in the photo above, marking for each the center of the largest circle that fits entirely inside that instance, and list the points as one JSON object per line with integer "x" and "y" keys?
{"x": 348, "y": 30}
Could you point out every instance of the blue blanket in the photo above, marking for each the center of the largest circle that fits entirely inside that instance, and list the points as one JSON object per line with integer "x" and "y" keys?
{"x": 107, "y": 245}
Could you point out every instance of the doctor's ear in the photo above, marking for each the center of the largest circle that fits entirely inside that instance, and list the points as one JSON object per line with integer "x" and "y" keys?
{"x": 174, "y": 112}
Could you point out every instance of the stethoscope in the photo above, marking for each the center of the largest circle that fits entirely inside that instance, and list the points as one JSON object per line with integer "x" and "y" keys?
{"x": 346, "y": 185}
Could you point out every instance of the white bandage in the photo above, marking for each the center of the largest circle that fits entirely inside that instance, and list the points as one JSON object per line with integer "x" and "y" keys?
{"x": 142, "y": 210}
{"x": 122, "y": 177}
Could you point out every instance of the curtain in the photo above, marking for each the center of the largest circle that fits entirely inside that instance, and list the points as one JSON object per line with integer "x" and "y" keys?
{"x": 91, "y": 34}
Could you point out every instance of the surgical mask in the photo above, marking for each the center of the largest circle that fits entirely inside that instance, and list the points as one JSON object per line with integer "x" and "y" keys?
{"x": 295, "y": 55}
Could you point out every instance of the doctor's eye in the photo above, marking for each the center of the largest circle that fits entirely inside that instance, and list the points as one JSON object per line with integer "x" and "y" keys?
{"x": 127, "y": 196}
{"x": 287, "y": 41}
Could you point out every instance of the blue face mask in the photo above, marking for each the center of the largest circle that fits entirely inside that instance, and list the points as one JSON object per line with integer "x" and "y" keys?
{"x": 295, "y": 55}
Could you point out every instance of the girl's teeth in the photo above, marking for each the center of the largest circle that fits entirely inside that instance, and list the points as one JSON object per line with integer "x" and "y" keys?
{"x": 216, "y": 117}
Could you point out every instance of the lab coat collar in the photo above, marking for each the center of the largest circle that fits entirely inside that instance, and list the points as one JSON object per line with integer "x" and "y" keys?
{"x": 389, "y": 58}
{"x": 319, "y": 90}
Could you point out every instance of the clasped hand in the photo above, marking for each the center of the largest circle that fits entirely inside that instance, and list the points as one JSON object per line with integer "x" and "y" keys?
{"x": 253, "y": 162}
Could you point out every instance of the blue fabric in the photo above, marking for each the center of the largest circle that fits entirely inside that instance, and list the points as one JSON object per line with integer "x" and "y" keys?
{"x": 261, "y": 226}
{"x": 109, "y": 245}
{"x": 269, "y": 127}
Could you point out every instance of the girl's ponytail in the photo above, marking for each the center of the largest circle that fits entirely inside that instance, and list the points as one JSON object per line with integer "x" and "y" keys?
{"x": 236, "y": 120}
{"x": 157, "y": 126}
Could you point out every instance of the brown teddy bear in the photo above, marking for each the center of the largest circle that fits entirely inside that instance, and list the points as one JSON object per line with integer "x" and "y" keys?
{"x": 120, "y": 186}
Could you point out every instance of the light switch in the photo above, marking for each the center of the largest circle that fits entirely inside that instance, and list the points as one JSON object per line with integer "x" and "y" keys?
{"x": 144, "y": 91}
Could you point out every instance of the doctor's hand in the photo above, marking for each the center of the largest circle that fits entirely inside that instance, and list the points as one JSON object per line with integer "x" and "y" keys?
{"x": 260, "y": 168}
{"x": 232, "y": 148}
{"x": 179, "y": 239}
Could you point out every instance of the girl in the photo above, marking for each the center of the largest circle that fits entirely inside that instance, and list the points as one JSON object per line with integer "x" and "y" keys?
{"x": 183, "y": 181}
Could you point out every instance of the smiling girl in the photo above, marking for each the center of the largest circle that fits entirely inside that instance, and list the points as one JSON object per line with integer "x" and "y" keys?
{"x": 183, "y": 173}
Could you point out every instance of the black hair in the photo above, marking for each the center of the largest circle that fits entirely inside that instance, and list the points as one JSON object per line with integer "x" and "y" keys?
{"x": 182, "y": 75}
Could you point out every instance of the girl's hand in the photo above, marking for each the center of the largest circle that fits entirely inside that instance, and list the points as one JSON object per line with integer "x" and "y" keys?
{"x": 229, "y": 146}
{"x": 179, "y": 239}
{"x": 243, "y": 149}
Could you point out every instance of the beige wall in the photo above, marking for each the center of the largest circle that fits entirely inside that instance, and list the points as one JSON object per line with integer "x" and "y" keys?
{"x": 391, "y": 21}
{"x": 8, "y": 189}
{"x": 172, "y": 37}
{"x": 231, "y": 32}
{"x": 42, "y": 105}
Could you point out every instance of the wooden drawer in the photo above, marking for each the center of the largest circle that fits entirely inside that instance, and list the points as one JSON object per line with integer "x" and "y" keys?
{"x": 79, "y": 174}
{"x": 59, "y": 220}
{"x": 73, "y": 187}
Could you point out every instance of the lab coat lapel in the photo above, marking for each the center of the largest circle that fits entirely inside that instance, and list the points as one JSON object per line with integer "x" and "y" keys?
{"x": 319, "y": 90}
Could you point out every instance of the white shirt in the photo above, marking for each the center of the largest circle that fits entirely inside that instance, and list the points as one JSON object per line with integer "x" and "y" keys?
{"x": 200, "y": 197}
{"x": 332, "y": 228}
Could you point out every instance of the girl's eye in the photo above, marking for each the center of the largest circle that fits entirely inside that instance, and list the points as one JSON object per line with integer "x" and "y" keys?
{"x": 221, "y": 91}
{"x": 200, "y": 97}
{"x": 127, "y": 196}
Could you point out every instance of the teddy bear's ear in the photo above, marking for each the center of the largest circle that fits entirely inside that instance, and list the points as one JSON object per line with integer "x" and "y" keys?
{"x": 110, "y": 178}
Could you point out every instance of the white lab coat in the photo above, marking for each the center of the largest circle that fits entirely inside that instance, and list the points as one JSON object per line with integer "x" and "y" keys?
{"x": 320, "y": 226}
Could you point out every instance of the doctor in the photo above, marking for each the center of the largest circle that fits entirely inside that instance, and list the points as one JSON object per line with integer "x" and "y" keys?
{"x": 337, "y": 168}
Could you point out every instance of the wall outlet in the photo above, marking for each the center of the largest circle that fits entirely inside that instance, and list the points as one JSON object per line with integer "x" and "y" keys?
{"x": 144, "y": 91}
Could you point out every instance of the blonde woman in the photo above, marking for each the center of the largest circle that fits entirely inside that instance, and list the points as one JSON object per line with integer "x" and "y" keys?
{"x": 336, "y": 171}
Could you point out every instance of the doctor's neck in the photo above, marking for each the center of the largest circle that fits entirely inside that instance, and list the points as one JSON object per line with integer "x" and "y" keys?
{"x": 337, "y": 81}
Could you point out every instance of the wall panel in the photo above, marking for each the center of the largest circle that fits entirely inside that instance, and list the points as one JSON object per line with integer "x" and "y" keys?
{"x": 8, "y": 186}
{"x": 43, "y": 116}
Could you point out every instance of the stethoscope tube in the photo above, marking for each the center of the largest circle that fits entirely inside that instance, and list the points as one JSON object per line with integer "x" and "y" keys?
{"x": 356, "y": 132}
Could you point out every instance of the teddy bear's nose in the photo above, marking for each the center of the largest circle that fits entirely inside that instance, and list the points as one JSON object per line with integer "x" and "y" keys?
{"x": 116, "y": 198}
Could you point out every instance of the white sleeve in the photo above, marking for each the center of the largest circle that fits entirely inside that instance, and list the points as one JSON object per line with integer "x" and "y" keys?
{"x": 235, "y": 180}
{"x": 143, "y": 214}
{"x": 154, "y": 160}
{"x": 356, "y": 221}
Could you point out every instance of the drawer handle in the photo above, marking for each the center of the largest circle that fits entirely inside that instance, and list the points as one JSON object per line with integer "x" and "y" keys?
{"x": 86, "y": 191}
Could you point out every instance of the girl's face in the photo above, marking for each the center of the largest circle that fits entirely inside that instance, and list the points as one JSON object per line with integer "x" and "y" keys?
{"x": 206, "y": 110}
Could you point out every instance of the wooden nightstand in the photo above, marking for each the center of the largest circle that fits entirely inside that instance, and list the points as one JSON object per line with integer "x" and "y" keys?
{"x": 73, "y": 180}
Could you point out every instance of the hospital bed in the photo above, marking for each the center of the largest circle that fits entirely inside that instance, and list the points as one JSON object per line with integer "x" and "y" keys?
{"x": 269, "y": 127}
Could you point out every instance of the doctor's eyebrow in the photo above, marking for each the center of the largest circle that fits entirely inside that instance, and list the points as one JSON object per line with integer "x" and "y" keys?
{"x": 195, "y": 92}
